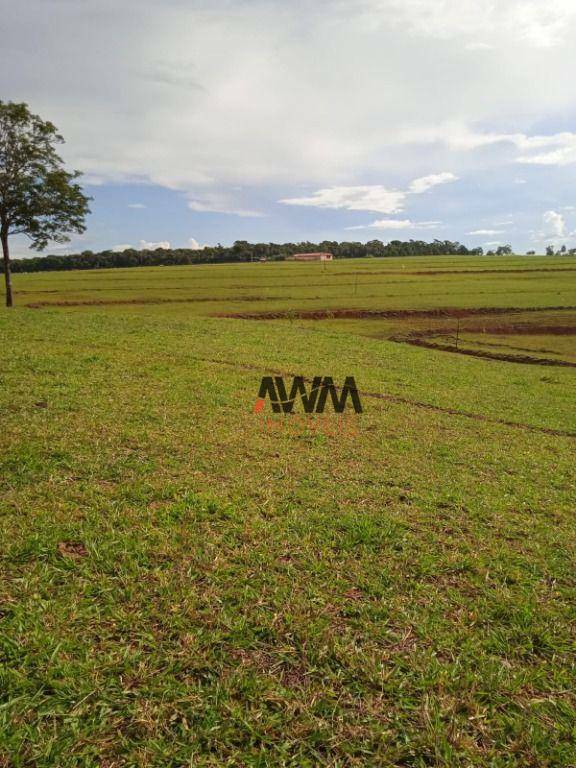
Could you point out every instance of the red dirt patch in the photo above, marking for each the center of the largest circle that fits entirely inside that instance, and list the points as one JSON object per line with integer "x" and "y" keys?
{"x": 362, "y": 314}
{"x": 436, "y": 339}
{"x": 73, "y": 549}
{"x": 525, "y": 329}
{"x": 421, "y": 340}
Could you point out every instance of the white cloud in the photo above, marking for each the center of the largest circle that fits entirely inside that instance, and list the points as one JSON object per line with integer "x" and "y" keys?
{"x": 340, "y": 98}
{"x": 398, "y": 224}
{"x": 136, "y": 205}
{"x": 282, "y": 107}
{"x": 145, "y": 245}
{"x": 364, "y": 198}
{"x": 485, "y": 232}
{"x": 562, "y": 149}
{"x": 528, "y": 23}
{"x": 479, "y": 46}
{"x": 554, "y": 229}
{"x": 425, "y": 183}
{"x": 214, "y": 202}
{"x": 375, "y": 197}
{"x": 386, "y": 224}
{"x": 561, "y": 146}
{"x": 554, "y": 224}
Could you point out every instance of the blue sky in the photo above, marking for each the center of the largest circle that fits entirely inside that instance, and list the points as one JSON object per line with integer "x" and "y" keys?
{"x": 204, "y": 122}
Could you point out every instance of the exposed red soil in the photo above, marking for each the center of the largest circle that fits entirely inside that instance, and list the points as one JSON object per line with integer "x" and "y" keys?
{"x": 426, "y": 342}
{"x": 436, "y": 339}
{"x": 530, "y": 350}
{"x": 524, "y": 329}
{"x": 415, "y": 338}
{"x": 362, "y": 314}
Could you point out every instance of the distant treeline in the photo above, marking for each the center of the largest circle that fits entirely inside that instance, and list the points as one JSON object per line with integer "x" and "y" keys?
{"x": 241, "y": 251}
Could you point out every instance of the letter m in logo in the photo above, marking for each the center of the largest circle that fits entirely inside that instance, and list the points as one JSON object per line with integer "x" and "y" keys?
{"x": 339, "y": 403}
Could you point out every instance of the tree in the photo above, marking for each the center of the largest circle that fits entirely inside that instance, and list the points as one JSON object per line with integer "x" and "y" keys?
{"x": 549, "y": 250}
{"x": 38, "y": 197}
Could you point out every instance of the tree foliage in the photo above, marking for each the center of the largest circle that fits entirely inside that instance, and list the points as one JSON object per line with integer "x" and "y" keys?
{"x": 241, "y": 251}
{"x": 562, "y": 251}
{"x": 39, "y": 198}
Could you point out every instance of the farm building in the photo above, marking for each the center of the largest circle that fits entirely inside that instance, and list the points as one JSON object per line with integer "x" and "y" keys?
{"x": 310, "y": 257}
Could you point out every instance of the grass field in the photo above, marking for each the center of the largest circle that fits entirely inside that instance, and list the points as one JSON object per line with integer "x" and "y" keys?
{"x": 184, "y": 587}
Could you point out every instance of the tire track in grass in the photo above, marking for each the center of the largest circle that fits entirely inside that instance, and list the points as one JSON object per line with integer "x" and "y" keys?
{"x": 396, "y": 399}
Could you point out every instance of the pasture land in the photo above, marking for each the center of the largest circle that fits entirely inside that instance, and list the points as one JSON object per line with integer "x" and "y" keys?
{"x": 183, "y": 586}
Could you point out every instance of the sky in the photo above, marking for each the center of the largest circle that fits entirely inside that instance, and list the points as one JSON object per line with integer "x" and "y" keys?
{"x": 207, "y": 121}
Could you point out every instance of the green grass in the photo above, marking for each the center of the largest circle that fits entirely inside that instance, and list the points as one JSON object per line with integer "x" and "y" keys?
{"x": 181, "y": 587}
{"x": 448, "y": 281}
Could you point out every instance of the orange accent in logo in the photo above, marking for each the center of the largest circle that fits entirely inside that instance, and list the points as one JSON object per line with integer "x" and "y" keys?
{"x": 259, "y": 405}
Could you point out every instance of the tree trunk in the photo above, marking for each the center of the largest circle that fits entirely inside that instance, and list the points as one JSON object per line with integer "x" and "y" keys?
{"x": 7, "y": 275}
